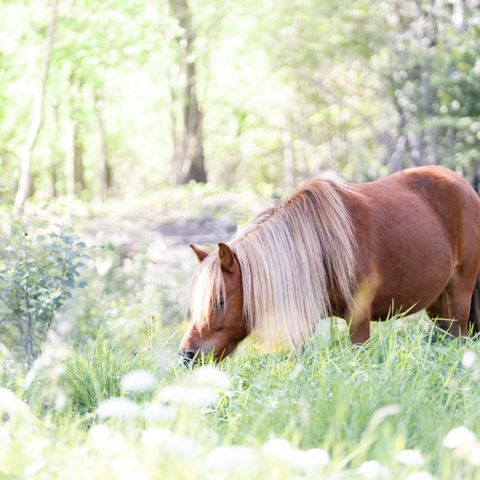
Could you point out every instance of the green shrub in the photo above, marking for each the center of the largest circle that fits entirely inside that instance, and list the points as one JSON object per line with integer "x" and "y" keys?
{"x": 38, "y": 273}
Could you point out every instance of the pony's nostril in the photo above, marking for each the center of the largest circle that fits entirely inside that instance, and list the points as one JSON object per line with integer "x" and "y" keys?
{"x": 187, "y": 357}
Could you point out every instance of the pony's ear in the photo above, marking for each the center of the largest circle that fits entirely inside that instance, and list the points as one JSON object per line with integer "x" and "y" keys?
{"x": 201, "y": 254}
{"x": 226, "y": 257}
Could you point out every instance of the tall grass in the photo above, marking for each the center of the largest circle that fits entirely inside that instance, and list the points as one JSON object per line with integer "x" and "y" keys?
{"x": 94, "y": 372}
{"x": 405, "y": 389}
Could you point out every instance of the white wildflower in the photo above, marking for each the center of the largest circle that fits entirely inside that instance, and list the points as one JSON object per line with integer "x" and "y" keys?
{"x": 232, "y": 458}
{"x": 118, "y": 408}
{"x": 317, "y": 457}
{"x": 307, "y": 460}
{"x": 410, "y": 457}
{"x": 468, "y": 360}
{"x": 107, "y": 441}
{"x": 156, "y": 412}
{"x": 181, "y": 446}
{"x": 421, "y": 475}
{"x": 459, "y": 438}
{"x": 162, "y": 438}
{"x": 12, "y": 407}
{"x": 138, "y": 381}
{"x": 99, "y": 433}
{"x": 302, "y": 460}
{"x": 276, "y": 448}
{"x": 119, "y": 467}
{"x": 373, "y": 469}
{"x": 156, "y": 437}
{"x": 194, "y": 396}
{"x": 210, "y": 376}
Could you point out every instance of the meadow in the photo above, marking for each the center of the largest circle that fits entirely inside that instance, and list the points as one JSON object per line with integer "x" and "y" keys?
{"x": 106, "y": 397}
{"x": 131, "y": 128}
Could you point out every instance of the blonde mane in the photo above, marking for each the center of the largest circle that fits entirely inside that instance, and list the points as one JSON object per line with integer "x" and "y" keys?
{"x": 289, "y": 257}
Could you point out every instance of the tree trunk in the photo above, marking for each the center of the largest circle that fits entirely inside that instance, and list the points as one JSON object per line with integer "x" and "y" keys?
{"x": 459, "y": 19}
{"x": 25, "y": 180}
{"x": 190, "y": 159}
{"x": 104, "y": 169}
{"x": 78, "y": 170}
{"x": 55, "y": 154}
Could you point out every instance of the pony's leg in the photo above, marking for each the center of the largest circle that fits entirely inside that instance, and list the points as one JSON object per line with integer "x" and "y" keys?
{"x": 359, "y": 326}
{"x": 460, "y": 305}
{"x": 361, "y": 314}
{"x": 441, "y": 313}
{"x": 460, "y": 289}
{"x": 453, "y": 303}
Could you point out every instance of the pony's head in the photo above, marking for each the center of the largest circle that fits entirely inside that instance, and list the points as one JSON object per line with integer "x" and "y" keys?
{"x": 216, "y": 306}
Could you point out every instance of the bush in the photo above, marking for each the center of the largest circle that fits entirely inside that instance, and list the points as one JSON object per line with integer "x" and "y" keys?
{"x": 38, "y": 273}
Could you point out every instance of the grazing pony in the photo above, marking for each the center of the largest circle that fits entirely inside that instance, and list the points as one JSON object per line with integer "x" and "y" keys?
{"x": 406, "y": 242}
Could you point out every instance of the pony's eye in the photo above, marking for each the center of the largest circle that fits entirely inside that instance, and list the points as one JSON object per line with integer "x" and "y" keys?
{"x": 221, "y": 303}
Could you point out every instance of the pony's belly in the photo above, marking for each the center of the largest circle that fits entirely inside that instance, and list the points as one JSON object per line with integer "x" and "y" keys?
{"x": 414, "y": 283}
{"x": 383, "y": 311}
{"x": 411, "y": 290}
{"x": 414, "y": 258}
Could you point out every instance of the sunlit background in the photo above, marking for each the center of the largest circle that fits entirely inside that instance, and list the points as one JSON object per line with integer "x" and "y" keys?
{"x": 119, "y": 98}
{"x": 130, "y": 128}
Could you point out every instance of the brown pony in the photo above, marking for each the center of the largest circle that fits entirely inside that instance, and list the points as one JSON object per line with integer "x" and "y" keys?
{"x": 358, "y": 251}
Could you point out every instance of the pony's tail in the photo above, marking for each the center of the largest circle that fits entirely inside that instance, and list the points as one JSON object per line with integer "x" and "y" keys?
{"x": 474, "y": 318}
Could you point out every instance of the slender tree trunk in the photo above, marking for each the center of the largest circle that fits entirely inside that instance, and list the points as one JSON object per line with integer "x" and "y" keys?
{"x": 192, "y": 154}
{"x": 459, "y": 19}
{"x": 177, "y": 142}
{"x": 78, "y": 170}
{"x": 25, "y": 180}
{"x": 69, "y": 182}
{"x": 104, "y": 169}
{"x": 75, "y": 156}
{"x": 55, "y": 155}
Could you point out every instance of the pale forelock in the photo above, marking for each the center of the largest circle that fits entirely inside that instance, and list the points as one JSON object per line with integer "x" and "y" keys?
{"x": 206, "y": 289}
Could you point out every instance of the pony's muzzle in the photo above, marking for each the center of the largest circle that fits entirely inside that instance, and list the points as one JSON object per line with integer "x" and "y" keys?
{"x": 188, "y": 357}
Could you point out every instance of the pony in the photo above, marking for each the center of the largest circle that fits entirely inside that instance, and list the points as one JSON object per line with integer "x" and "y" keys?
{"x": 406, "y": 242}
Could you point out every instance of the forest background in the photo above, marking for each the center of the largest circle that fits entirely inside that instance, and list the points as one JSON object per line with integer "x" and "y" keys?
{"x": 122, "y": 97}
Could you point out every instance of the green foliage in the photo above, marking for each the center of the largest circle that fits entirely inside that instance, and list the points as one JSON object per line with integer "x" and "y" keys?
{"x": 94, "y": 372}
{"x": 432, "y": 73}
{"x": 361, "y": 87}
{"x": 38, "y": 273}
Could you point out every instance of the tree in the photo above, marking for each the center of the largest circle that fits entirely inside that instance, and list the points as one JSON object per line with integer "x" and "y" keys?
{"x": 189, "y": 160}
{"x": 104, "y": 168}
{"x": 25, "y": 180}
{"x": 432, "y": 79}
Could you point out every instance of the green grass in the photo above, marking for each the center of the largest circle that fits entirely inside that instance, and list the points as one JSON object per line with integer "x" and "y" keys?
{"x": 94, "y": 371}
{"x": 331, "y": 395}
